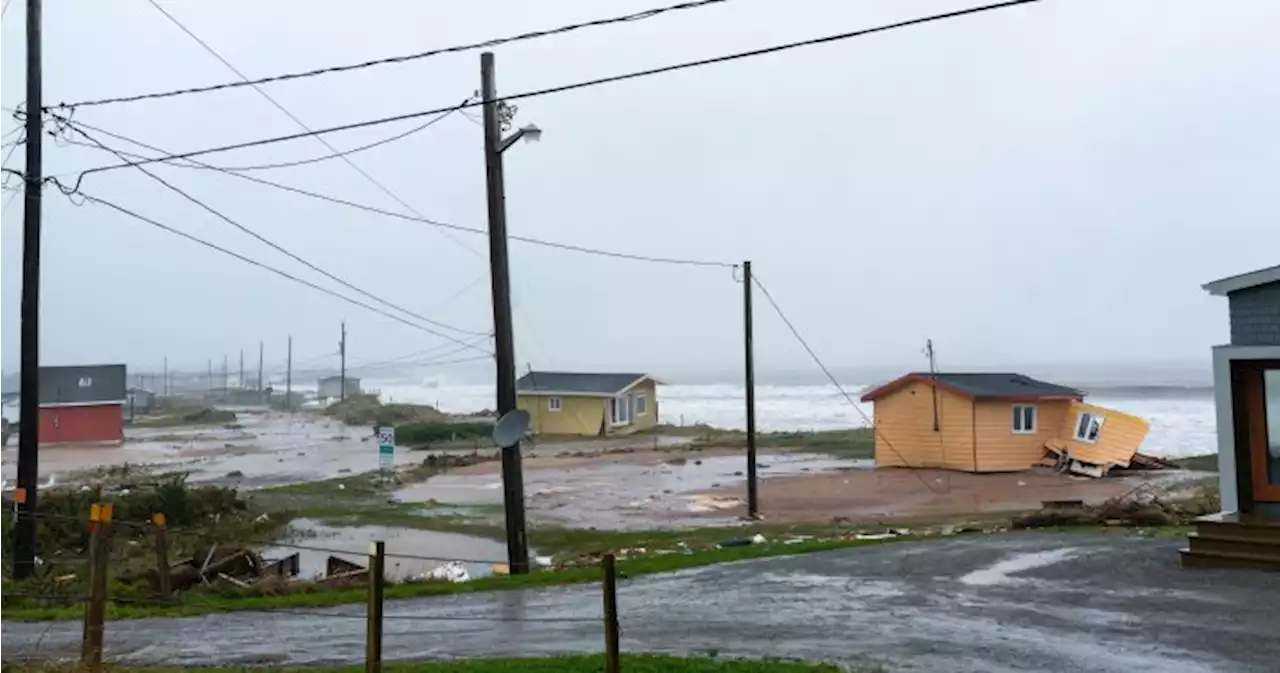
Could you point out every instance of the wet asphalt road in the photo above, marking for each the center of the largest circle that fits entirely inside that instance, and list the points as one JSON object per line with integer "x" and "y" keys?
{"x": 1013, "y": 602}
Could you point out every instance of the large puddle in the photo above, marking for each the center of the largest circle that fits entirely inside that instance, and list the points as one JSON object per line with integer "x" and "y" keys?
{"x": 410, "y": 552}
{"x": 621, "y": 494}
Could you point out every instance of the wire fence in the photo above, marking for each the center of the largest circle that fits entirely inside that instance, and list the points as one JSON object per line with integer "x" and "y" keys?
{"x": 221, "y": 572}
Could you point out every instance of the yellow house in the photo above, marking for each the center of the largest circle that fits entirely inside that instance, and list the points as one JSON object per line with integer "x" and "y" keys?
{"x": 996, "y": 423}
{"x": 588, "y": 404}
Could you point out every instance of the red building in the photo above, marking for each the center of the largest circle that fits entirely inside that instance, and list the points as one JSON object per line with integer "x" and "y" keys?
{"x": 82, "y": 404}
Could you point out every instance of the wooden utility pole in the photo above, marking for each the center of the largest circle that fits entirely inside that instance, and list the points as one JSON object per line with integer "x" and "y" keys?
{"x": 748, "y": 337}
{"x": 933, "y": 374}
{"x": 504, "y": 338}
{"x": 225, "y": 382}
{"x": 342, "y": 371}
{"x": 24, "y": 549}
{"x": 373, "y": 615}
{"x": 288, "y": 375}
{"x": 261, "y": 387}
{"x": 240, "y": 381}
{"x": 166, "y": 376}
{"x": 209, "y": 379}
{"x": 612, "y": 656}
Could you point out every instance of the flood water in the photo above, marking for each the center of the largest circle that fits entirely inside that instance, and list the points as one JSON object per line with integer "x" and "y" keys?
{"x": 410, "y": 552}
{"x": 620, "y": 494}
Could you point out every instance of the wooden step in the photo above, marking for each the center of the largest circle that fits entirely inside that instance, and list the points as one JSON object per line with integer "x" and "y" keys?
{"x": 1235, "y": 531}
{"x": 1235, "y": 518}
{"x": 1233, "y": 545}
{"x": 1192, "y": 559}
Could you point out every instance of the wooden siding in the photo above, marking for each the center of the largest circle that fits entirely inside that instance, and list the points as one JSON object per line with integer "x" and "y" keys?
{"x": 586, "y": 416}
{"x": 582, "y": 416}
{"x": 999, "y": 448}
{"x": 904, "y": 429}
{"x": 1120, "y": 437}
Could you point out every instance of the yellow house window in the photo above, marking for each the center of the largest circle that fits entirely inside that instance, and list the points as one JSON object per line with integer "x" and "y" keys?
{"x": 1088, "y": 427}
{"x": 554, "y": 404}
{"x": 642, "y": 404}
{"x": 1024, "y": 419}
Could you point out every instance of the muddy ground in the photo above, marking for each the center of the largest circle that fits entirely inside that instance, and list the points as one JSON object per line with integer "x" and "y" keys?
{"x": 1007, "y": 603}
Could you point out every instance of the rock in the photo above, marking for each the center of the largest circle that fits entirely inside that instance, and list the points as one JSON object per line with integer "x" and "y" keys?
{"x": 738, "y": 473}
{"x": 677, "y": 461}
{"x": 697, "y": 462}
{"x": 344, "y": 470}
{"x": 234, "y": 474}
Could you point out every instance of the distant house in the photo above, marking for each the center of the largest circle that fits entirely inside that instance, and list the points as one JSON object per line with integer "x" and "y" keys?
{"x": 139, "y": 401}
{"x": 995, "y": 423}
{"x": 1246, "y": 385}
{"x": 330, "y": 387}
{"x": 588, "y": 404}
{"x": 82, "y": 404}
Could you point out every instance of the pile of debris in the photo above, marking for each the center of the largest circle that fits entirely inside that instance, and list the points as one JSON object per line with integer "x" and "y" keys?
{"x": 1134, "y": 509}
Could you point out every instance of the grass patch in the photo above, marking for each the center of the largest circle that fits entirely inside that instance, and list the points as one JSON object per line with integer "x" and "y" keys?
{"x": 850, "y": 443}
{"x": 204, "y": 416}
{"x": 367, "y": 410}
{"x": 1207, "y": 462}
{"x": 310, "y": 595}
{"x": 593, "y": 663}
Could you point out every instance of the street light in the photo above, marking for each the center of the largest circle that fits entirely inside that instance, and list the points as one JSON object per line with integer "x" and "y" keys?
{"x": 530, "y": 133}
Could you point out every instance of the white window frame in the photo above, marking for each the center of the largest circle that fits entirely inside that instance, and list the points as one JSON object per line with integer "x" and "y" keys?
{"x": 620, "y": 410}
{"x": 554, "y": 403}
{"x": 1080, "y": 423}
{"x": 1019, "y": 416}
{"x": 640, "y": 405}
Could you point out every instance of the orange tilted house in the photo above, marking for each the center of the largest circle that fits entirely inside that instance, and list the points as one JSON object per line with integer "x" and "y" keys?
{"x": 997, "y": 423}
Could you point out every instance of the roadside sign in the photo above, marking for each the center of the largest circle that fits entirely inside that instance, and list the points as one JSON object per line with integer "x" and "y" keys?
{"x": 386, "y": 449}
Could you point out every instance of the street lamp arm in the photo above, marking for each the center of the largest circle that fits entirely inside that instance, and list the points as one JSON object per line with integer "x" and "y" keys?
{"x": 530, "y": 133}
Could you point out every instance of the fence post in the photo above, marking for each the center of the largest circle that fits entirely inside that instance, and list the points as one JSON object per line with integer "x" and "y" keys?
{"x": 612, "y": 663}
{"x": 96, "y": 608}
{"x": 162, "y": 555}
{"x": 373, "y": 632}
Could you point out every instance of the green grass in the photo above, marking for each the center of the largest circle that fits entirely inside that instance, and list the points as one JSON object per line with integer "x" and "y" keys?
{"x": 594, "y": 663}
{"x": 1207, "y": 462}
{"x": 304, "y": 595}
{"x": 844, "y": 443}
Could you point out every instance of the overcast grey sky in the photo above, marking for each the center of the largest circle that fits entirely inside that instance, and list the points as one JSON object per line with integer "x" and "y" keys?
{"x": 1050, "y": 183}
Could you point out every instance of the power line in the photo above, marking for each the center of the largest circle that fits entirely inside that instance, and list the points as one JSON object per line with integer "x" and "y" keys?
{"x": 302, "y": 125}
{"x": 403, "y": 216}
{"x": 636, "y": 16}
{"x": 594, "y": 82}
{"x": 280, "y": 248}
{"x": 345, "y": 153}
{"x": 254, "y": 262}
{"x": 835, "y": 382}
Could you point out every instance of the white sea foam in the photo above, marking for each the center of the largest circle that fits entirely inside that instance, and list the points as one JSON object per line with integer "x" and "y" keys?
{"x": 1181, "y": 425}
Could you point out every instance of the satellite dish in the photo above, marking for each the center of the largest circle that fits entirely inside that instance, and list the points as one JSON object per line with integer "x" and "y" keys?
{"x": 510, "y": 429}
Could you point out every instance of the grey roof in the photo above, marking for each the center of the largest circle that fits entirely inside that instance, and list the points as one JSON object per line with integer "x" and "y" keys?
{"x": 584, "y": 383}
{"x": 82, "y": 384}
{"x": 1000, "y": 385}
{"x": 1244, "y": 281}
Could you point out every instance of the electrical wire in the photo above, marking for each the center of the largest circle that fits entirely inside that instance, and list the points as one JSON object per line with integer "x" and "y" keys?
{"x": 404, "y": 216}
{"x": 635, "y": 16}
{"x": 587, "y": 83}
{"x": 283, "y": 250}
{"x": 835, "y": 382}
{"x": 261, "y": 265}
{"x": 336, "y": 154}
{"x": 302, "y": 125}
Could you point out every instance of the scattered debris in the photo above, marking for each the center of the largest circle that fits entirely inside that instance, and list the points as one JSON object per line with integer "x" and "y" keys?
{"x": 452, "y": 571}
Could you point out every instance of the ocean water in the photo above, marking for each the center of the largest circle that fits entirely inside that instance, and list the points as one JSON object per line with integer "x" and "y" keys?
{"x": 1181, "y": 417}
